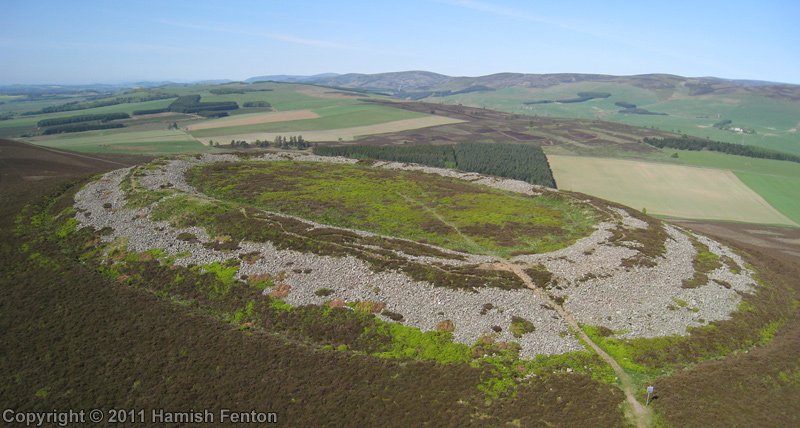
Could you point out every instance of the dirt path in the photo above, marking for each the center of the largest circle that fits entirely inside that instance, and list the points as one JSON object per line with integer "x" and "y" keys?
{"x": 641, "y": 413}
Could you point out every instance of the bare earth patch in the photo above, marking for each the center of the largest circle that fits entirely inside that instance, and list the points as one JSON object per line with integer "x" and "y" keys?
{"x": 253, "y": 120}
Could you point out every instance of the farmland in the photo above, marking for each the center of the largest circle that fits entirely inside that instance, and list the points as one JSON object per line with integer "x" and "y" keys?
{"x": 127, "y": 142}
{"x": 153, "y": 290}
{"x": 668, "y": 190}
{"x": 345, "y": 134}
{"x": 329, "y": 118}
{"x": 255, "y": 118}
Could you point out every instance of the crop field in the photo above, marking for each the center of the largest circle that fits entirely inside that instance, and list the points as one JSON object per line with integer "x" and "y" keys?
{"x": 256, "y": 118}
{"x": 778, "y": 182}
{"x": 667, "y": 190}
{"x": 330, "y": 118}
{"x": 448, "y": 213}
{"x": 783, "y": 193}
{"x": 345, "y": 134}
{"x": 282, "y": 96}
{"x": 150, "y": 142}
{"x": 735, "y": 163}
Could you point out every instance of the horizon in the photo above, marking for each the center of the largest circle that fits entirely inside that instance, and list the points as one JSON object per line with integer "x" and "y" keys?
{"x": 223, "y": 81}
{"x": 81, "y": 43}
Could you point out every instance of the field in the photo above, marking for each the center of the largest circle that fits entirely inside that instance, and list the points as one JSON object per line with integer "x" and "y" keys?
{"x": 424, "y": 208}
{"x": 326, "y": 115}
{"x": 774, "y": 120}
{"x": 783, "y": 193}
{"x": 667, "y": 190}
{"x": 255, "y": 118}
{"x": 336, "y": 117}
{"x": 343, "y": 134}
{"x": 778, "y": 182}
{"x": 126, "y": 142}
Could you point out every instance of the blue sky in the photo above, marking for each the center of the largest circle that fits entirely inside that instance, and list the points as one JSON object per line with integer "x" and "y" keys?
{"x": 79, "y": 42}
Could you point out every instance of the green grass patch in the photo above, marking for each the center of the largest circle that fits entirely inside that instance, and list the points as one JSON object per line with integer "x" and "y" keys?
{"x": 627, "y": 351}
{"x": 135, "y": 142}
{"x": 409, "y": 342}
{"x": 421, "y": 207}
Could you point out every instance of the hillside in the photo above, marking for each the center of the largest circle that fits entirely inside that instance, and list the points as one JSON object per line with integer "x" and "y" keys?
{"x": 21, "y": 161}
{"x": 243, "y": 116}
{"x": 420, "y": 81}
{"x": 186, "y": 263}
{"x": 762, "y": 114}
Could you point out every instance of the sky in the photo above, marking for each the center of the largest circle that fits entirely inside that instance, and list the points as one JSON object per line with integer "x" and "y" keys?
{"x": 84, "y": 42}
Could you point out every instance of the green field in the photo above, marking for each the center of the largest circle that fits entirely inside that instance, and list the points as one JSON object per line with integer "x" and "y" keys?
{"x": 736, "y": 163}
{"x": 335, "y": 117}
{"x": 425, "y": 208}
{"x": 668, "y": 190}
{"x": 778, "y": 182}
{"x": 152, "y": 134}
{"x": 783, "y": 193}
{"x": 774, "y": 120}
{"x": 144, "y": 142}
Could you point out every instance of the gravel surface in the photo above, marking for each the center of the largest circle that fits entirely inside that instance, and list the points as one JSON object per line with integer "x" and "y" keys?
{"x": 637, "y": 302}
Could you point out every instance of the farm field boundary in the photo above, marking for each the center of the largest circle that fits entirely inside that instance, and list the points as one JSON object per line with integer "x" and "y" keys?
{"x": 251, "y": 120}
{"x": 346, "y": 134}
{"x": 669, "y": 190}
{"x": 126, "y": 142}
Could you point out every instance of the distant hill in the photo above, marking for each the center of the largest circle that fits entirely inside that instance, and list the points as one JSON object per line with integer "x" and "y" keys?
{"x": 290, "y": 78}
{"x": 424, "y": 81}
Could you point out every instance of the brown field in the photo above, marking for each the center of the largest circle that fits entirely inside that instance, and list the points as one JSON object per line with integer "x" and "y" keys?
{"x": 252, "y": 120}
{"x": 669, "y": 190}
{"x": 346, "y": 134}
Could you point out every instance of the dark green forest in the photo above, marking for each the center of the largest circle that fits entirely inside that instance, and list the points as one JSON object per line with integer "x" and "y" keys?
{"x": 101, "y": 103}
{"x": 520, "y": 162}
{"x": 80, "y": 127}
{"x": 192, "y": 104}
{"x": 582, "y": 96}
{"x": 82, "y": 118}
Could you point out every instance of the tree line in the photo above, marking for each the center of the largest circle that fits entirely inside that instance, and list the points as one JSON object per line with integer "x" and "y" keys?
{"x": 82, "y": 118}
{"x": 582, "y": 96}
{"x": 192, "y": 104}
{"x": 74, "y": 105}
{"x": 227, "y": 91}
{"x": 717, "y": 146}
{"x": 292, "y": 143}
{"x": 517, "y": 161}
{"x": 80, "y": 127}
{"x": 247, "y": 104}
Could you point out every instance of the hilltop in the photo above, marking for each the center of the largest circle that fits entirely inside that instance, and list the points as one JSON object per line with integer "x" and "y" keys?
{"x": 415, "y": 83}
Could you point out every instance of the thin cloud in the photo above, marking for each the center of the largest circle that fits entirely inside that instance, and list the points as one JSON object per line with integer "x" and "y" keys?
{"x": 28, "y": 44}
{"x": 567, "y": 25}
{"x": 275, "y": 36}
